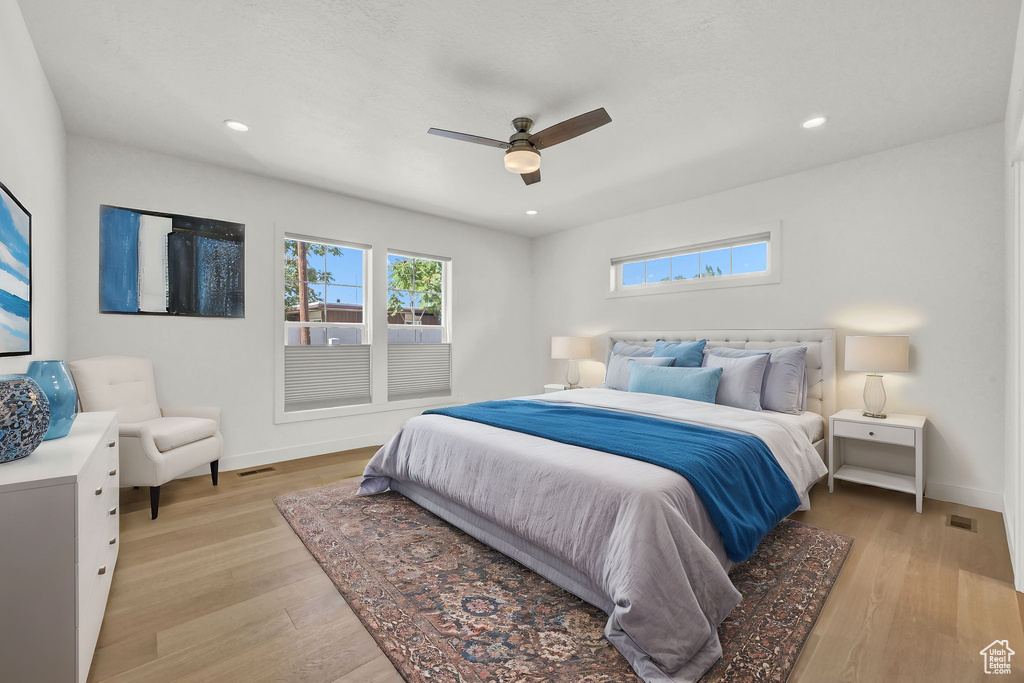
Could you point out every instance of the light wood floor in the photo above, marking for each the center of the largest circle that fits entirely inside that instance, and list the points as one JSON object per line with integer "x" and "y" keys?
{"x": 220, "y": 589}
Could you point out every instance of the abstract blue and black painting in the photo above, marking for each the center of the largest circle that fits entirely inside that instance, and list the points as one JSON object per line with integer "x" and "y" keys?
{"x": 168, "y": 264}
{"x": 15, "y": 276}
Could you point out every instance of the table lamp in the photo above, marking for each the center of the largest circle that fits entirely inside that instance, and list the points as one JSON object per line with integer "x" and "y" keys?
{"x": 876, "y": 355}
{"x": 571, "y": 348}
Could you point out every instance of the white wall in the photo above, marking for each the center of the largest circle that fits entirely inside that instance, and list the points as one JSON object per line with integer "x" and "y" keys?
{"x": 32, "y": 166}
{"x": 230, "y": 362}
{"x": 905, "y": 241}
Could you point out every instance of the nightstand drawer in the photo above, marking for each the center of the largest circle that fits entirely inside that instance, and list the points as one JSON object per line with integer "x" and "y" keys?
{"x": 881, "y": 433}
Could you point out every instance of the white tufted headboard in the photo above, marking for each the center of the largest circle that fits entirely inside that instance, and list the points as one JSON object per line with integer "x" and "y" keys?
{"x": 821, "y": 353}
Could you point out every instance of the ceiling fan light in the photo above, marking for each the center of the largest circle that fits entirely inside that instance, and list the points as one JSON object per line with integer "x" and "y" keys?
{"x": 522, "y": 160}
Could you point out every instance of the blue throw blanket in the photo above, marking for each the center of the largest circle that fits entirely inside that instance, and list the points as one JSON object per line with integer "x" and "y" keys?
{"x": 736, "y": 476}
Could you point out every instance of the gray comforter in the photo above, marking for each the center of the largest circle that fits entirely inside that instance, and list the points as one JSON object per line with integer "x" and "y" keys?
{"x": 637, "y": 536}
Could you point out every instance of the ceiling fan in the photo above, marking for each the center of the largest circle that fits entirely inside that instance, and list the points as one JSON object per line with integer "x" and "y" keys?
{"x": 522, "y": 151}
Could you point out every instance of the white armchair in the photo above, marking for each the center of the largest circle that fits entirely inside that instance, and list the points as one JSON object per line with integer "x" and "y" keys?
{"x": 156, "y": 445}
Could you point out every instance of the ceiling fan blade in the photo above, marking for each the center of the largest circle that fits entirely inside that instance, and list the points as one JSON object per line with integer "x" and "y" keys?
{"x": 567, "y": 130}
{"x": 531, "y": 178}
{"x": 468, "y": 138}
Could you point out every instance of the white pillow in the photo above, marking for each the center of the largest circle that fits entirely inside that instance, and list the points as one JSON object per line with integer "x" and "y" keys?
{"x": 740, "y": 385}
{"x": 619, "y": 367}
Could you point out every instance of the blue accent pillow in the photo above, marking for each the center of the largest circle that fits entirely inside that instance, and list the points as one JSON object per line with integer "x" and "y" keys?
{"x": 696, "y": 384}
{"x": 686, "y": 354}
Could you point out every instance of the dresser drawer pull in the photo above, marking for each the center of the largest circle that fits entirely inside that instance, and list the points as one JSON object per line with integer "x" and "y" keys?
{"x": 871, "y": 433}
{"x": 112, "y": 472}
{"x": 112, "y": 541}
{"x": 99, "y": 491}
{"x": 113, "y": 511}
{"x": 111, "y": 444}
{"x": 102, "y": 570}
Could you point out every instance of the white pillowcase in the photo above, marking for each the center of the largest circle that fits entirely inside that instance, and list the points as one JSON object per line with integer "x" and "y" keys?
{"x": 740, "y": 385}
{"x": 619, "y": 367}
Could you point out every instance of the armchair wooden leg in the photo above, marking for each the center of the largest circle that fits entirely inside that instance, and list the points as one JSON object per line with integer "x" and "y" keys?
{"x": 214, "y": 468}
{"x": 154, "y": 499}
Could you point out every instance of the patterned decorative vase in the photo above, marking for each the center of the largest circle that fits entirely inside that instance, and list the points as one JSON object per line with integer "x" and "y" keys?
{"x": 59, "y": 387}
{"x": 24, "y": 416}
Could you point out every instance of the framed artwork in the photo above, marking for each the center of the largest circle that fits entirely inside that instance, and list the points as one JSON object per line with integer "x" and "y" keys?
{"x": 15, "y": 276}
{"x": 167, "y": 264}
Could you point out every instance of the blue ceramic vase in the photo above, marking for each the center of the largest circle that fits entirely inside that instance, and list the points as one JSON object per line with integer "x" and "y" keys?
{"x": 24, "y": 416}
{"x": 59, "y": 387}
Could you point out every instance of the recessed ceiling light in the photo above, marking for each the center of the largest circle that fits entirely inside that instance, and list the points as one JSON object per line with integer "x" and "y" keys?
{"x": 815, "y": 122}
{"x": 237, "y": 125}
{"x": 531, "y": 212}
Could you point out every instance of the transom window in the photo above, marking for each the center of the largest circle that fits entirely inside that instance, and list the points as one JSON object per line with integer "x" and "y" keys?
{"x": 748, "y": 258}
{"x": 324, "y": 293}
{"x": 741, "y": 260}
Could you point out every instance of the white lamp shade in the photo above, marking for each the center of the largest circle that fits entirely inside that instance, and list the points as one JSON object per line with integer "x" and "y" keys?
{"x": 570, "y": 347}
{"x": 878, "y": 354}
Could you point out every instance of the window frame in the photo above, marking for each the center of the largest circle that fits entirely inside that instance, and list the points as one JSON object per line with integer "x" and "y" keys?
{"x": 367, "y": 299}
{"x": 770, "y": 233}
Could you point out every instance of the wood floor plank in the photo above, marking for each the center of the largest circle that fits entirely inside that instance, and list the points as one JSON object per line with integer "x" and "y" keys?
{"x": 219, "y": 588}
{"x": 986, "y": 611}
{"x": 377, "y": 670}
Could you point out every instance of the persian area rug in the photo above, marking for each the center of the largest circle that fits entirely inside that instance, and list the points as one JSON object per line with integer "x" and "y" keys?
{"x": 446, "y": 608}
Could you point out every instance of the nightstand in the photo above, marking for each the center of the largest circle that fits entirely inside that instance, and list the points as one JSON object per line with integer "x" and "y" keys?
{"x": 901, "y": 430}
{"x": 552, "y": 388}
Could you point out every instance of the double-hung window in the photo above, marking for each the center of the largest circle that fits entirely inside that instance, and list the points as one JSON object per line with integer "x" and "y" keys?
{"x": 419, "y": 352}
{"x": 327, "y": 352}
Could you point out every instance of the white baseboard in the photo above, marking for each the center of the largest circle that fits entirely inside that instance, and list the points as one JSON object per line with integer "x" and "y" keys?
{"x": 243, "y": 461}
{"x": 988, "y": 500}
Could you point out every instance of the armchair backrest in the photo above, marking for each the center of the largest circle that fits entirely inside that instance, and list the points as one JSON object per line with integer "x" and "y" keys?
{"x": 121, "y": 383}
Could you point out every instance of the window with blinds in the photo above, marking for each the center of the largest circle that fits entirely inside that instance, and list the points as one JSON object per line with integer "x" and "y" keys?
{"x": 327, "y": 356}
{"x": 419, "y": 352}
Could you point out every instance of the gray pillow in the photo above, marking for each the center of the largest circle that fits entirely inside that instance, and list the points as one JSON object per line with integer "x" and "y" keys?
{"x": 784, "y": 387}
{"x": 740, "y": 385}
{"x": 619, "y": 367}
{"x": 632, "y": 350}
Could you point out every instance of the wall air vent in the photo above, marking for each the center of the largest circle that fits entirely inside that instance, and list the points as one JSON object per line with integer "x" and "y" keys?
{"x": 261, "y": 470}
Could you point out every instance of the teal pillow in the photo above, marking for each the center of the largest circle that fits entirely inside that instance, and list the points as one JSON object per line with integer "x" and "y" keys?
{"x": 686, "y": 354}
{"x": 696, "y": 384}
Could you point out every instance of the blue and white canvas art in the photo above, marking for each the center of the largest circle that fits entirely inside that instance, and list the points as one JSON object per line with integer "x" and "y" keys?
{"x": 15, "y": 276}
{"x": 168, "y": 264}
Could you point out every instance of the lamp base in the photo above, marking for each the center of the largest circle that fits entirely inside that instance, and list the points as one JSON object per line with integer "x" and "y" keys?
{"x": 572, "y": 374}
{"x": 874, "y": 397}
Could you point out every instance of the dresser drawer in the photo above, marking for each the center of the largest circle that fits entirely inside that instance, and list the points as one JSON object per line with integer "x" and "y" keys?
{"x": 91, "y": 610}
{"x": 880, "y": 433}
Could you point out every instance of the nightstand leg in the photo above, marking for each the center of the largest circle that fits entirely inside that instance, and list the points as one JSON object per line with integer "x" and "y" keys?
{"x": 831, "y": 462}
{"x": 919, "y": 470}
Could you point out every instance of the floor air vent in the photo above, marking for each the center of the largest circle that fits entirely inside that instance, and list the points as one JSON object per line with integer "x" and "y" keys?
{"x": 965, "y": 523}
{"x": 261, "y": 470}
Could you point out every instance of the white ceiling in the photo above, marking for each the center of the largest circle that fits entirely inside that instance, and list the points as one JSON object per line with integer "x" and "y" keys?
{"x": 705, "y": 95}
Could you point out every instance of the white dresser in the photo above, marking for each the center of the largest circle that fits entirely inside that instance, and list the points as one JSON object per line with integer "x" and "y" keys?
{"x": 58, "y": 545}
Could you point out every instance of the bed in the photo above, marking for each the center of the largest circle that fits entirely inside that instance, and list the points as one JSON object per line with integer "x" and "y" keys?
{"x": 627, "y": 536}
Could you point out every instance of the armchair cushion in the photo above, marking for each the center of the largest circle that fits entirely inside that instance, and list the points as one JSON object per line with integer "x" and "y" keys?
{"x": 169, "y": 433}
